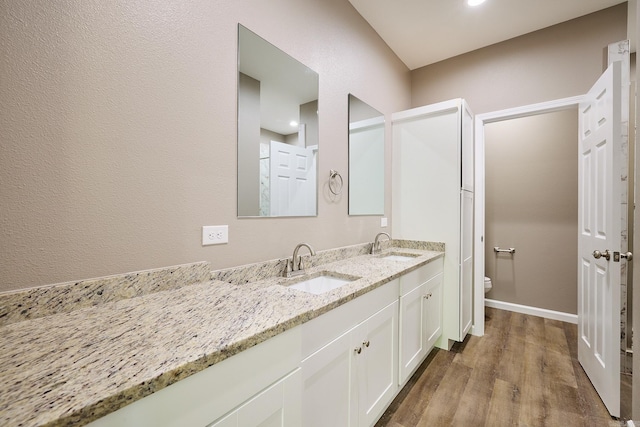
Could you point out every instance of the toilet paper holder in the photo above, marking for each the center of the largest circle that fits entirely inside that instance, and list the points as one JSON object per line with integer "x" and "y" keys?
{"x": 497, "y": 249}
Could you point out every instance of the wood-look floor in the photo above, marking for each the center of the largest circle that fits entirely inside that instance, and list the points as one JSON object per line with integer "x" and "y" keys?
{"x": 523, "y": 372}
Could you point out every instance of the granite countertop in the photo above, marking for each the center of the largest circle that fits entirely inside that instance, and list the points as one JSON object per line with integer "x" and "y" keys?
{"x": 77, "y": 364}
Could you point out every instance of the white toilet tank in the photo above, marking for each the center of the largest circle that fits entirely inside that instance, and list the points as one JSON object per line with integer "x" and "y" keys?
{"x": 487, "y": 285}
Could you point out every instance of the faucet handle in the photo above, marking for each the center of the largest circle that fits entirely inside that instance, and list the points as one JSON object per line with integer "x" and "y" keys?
{"x": 287, "y": 268}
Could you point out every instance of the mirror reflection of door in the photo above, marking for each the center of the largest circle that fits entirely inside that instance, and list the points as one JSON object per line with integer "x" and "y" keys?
{"x": 292, "y": 180}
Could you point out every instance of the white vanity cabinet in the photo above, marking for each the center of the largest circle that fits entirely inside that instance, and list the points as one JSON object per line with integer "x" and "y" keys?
{"x": 420, "y": 316}
{"x": 257, "y": 387}
{"x": 338, "y": 369}
{"x": 433, "y": 198}
{"x": 349, "y": 374}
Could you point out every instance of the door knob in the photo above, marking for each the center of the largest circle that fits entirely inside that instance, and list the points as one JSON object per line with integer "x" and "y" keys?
{"x": 627, "y": 255}
{"x": 606, "y": 254}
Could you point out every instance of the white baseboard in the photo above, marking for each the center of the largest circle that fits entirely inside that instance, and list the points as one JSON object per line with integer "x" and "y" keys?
{"x": 534, "y": 311}
{"x": 630, "y": 423}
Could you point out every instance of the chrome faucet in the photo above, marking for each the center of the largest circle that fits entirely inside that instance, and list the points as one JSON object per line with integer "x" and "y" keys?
{"x": 376, "y": 243}
{"x": 295, "y": 265}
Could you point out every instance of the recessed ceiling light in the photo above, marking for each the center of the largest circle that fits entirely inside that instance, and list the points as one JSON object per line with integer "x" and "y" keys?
{"x": 474, "y": 2}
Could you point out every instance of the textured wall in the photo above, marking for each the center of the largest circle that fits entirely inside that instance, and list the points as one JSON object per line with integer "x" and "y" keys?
{"x": 119, "y": 131}
{"x": 557, "y": 62}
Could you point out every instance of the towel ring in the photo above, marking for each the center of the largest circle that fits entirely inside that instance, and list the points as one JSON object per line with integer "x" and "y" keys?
{"x": 335, "y": 182}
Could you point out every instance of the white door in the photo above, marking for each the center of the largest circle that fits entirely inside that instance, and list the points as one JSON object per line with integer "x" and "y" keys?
{"x": 599, "y": 220}
{"x": 292, "y": 181}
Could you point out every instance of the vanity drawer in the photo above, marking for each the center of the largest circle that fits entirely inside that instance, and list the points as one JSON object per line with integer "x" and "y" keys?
{"x": 325, "y": 328}
{"x": 419, "y": 276}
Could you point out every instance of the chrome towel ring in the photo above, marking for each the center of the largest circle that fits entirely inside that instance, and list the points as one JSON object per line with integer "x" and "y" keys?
{"x": 335, "y": 182}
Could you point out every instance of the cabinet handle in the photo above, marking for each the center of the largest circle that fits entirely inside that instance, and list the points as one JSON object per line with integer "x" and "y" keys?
{"x": 358, "y": 350}
{"x": 366, "y": 343}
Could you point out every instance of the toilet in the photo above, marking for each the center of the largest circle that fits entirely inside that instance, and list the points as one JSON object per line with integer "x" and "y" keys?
{"x": 487, "y": 285}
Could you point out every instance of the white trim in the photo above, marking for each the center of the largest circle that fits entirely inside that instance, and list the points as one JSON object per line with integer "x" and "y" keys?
{"x": 630, "y": 423}
{"x": 534, "y": 311}
{"x": 531, "y": 110}
{"x": 479, "y": 193}
{"x": 426, "y": 110}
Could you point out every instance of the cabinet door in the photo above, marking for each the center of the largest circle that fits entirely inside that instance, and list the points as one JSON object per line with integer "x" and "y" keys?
{"x": 433, "y": 311}
{"x": 277, "y": 406}
{"x": 412, "y": 331}
{"x": 466, "y": 265}
{"x": 376, "y": 366}
{"x": 467, "y": 144}
{"x": 326, "y": 374}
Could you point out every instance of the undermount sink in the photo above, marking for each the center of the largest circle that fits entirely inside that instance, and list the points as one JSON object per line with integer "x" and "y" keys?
{"x": 324, "y": 282}
{"x": 398, "y": 256}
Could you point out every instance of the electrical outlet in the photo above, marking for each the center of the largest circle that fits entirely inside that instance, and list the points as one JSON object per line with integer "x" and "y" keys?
{"x": 383, "y": 222}
{"x": 215, "y": 234}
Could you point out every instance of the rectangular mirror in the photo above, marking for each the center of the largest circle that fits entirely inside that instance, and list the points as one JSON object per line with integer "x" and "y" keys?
{"x": 277, "y": 131}
{"x": 366, "y": 159}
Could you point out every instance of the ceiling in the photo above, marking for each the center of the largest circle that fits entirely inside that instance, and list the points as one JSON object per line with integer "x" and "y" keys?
{"x": 422, "y": 32}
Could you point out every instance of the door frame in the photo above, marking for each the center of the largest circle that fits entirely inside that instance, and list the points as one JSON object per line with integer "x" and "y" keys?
{"x": 479, "y": 206}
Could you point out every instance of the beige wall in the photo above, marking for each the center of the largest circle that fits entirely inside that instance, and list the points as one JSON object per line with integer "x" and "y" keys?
{"x": 531, "y": 204}
{"x": 557, "y": 62}
{"x": 118, "y": 133}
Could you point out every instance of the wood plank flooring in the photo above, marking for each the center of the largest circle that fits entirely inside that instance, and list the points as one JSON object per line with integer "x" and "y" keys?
{"x": 523, "y": 372}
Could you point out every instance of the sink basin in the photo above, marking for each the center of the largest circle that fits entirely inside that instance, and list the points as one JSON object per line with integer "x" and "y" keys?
{"x": 322, "y": 283}
{"x": 398, "y": 257}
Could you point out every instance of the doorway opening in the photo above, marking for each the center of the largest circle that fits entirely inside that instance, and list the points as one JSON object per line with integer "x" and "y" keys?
{"x": 531, "y": 205}
{"x": 479, "y": 235}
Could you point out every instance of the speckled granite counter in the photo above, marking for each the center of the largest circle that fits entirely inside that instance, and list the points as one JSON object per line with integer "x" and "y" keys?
{"x": 75, "y": 363}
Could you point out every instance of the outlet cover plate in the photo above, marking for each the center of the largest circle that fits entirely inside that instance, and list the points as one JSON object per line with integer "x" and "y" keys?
{"x": 215, "y": 234}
